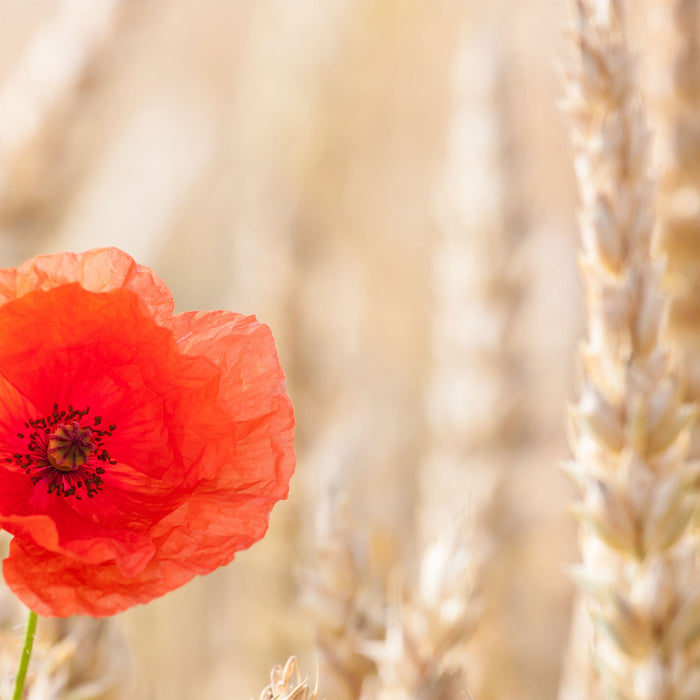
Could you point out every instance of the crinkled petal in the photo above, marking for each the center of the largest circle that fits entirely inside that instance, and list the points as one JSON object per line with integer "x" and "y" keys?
{"x": 54, "y": 585}
{"x": 97, "y": 270}
{"x": 252, "y": 393}
{"x": 65, "y": 586}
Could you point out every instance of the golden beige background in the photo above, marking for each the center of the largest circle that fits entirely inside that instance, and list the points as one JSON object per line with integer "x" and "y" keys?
{"x": 388, "y": 184}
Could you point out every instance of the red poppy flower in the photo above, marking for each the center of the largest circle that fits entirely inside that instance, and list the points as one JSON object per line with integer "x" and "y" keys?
{"x": 137, "y": 448}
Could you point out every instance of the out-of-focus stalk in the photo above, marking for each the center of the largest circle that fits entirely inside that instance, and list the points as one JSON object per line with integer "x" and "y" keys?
{"x": 679, "y": 200}
{"x": 477, "y": 424}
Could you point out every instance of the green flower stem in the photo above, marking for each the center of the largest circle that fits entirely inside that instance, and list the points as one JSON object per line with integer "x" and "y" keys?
{"x": 26, "y": 654}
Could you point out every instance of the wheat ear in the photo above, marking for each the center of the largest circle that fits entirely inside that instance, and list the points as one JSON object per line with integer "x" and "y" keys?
{"x": 428, "y": 624}
{"x": 630, "y": 428}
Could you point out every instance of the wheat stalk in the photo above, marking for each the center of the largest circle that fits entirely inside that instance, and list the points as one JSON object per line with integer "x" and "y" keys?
{"x": 630, "y": 427}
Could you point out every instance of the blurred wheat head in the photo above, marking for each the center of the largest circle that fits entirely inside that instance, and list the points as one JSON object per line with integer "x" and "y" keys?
{"x": 392, "y": 639}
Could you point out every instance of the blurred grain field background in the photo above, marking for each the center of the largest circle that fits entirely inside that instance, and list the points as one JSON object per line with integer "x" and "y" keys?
{"x": 389, "y": 185}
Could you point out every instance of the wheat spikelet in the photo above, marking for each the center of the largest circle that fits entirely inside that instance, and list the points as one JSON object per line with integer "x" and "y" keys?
{"x": 286, "y": 683}
{"x": 630, "y": 427}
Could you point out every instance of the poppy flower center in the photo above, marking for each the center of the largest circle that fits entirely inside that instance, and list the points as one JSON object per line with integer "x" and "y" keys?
{"x": 65, "y": 452}
{"x": 69, "y": 446}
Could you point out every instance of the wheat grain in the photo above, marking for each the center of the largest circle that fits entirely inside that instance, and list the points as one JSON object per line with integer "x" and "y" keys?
{"x": 630, "y": 426}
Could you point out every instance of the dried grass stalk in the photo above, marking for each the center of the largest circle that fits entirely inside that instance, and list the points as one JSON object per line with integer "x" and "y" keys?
{"x": 286, "y": 683}
{"x": 630, "y": 427}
